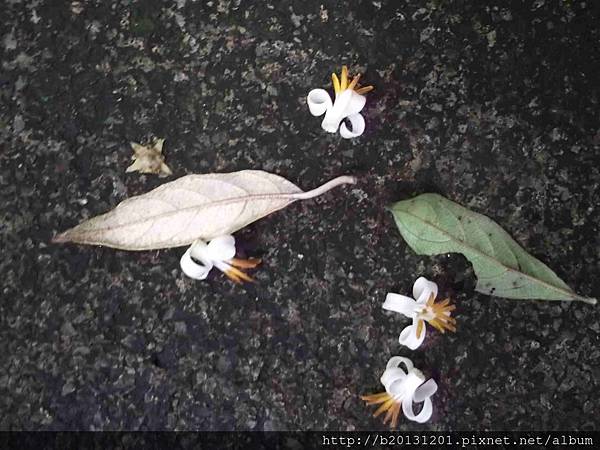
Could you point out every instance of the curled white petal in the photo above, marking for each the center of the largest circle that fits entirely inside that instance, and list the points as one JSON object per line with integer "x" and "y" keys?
{"x": 355, "y": 104}
{"x": 391, "y": 380}
{"x": 426, "y": 390}
{"x": 401, "y": 304}
{"x": 358, "y": 126}
{"x": 411, "y": 383}
{"x": 318, "y": 101}
{"x": 199, "y": 251}
{"x": 423, "y": 416}
{"x": 347, "y": 103}
{"x": 409, "y": 338}
{"x": 394, "y": 375}
{"x": 221, "y": 248}
{"x": 191, "y": 268}
{"x": 395, "y": 361}
{"x": 423, "y": 288}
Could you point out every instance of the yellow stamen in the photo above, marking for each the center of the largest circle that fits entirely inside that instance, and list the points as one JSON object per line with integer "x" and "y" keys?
{"x": 341, "y": 84}
{"x": 438, "y": 315}
{"x": 374, "y": 399}
{"x": 233, "y": 277}
{"x": 389, "y": 405}
{"x": 344, "y": 82}
{"x": 388, "y": 415}
{"x": 393, "y": 414}
{"x": 237, "y": 275}
{"x": 336, "y": 83}
{"x": 437, "y": 325}
{"x": 250, "y": 263}
{"x": 354, "y": 81}
{"x": 420, "y": 325}
{"x": 364, "y": 90}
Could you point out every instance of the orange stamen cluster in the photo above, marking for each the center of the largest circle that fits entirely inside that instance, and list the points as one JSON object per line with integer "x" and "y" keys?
{"x": 388, "y": 403}
{"x": 438, "y": 315}
{"x": 234, "y": 272}
{"x": 339, "y": 86}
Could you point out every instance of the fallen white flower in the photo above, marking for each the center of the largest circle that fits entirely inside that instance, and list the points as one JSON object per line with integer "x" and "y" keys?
{"x": 217, "y": 253}
{"x": 348, "y": 103}
{"x": 403, "y": 388}
{"x": 423, "y": 309}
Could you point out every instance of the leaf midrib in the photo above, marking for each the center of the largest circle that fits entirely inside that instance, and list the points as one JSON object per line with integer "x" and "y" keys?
{"x": 244, "y": 199}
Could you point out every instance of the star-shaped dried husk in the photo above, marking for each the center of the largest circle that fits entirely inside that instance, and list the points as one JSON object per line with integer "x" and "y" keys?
{"x": 149, "y": 159}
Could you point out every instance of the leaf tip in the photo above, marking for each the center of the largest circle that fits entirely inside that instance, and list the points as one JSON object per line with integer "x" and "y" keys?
{"x": 60, "y": 238}
{"x": 589, "y": 300}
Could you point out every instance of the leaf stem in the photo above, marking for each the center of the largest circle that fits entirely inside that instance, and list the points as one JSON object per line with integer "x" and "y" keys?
{"x": 344, "y": 179}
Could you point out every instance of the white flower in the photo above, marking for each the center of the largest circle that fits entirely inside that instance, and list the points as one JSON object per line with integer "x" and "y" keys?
{"x": 217, "y": 253}
{"x": 348, "y": 103}
{"x": 403, "y": 387}
{"x": 421, "y": 310}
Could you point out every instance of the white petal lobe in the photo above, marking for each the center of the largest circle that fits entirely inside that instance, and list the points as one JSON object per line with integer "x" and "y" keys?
{"x": 191, "y": 268}
{"x": 426, "y": 390}
{"x": 221, "y": 248}
{"x": 358, "y": 127}
{"x": 400, "y": 304}
{"x": 395, "y": 361}
{"x": 408, "y": 336}
{"x": 423, "y": 288}
{"x": 355, "y": 104}
{"x": 423, "y": 416}
{"x": 318, "y": 101}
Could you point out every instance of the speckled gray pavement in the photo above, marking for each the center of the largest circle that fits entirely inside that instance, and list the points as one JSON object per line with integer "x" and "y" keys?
{"x": 492, "y": 104}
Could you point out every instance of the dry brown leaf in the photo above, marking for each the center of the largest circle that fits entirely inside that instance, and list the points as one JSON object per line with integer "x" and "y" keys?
{"x": 192, "y": 207}
{"x": 149, "y": 159}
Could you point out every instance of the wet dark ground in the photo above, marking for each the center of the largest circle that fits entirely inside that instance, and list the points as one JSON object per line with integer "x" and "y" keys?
{"x": 493, "y": 104}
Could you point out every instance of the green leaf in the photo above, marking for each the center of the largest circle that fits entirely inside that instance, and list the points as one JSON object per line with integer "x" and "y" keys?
{"x": 432, "y": 224}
